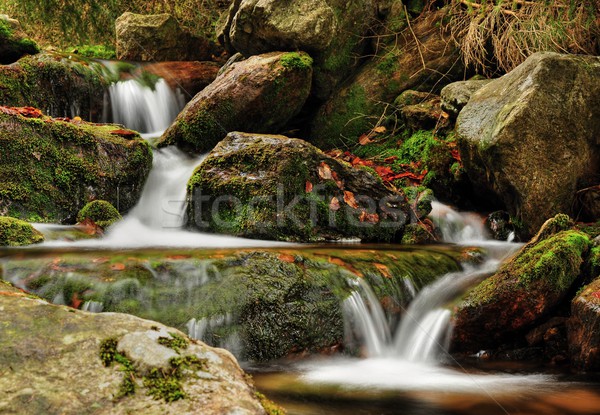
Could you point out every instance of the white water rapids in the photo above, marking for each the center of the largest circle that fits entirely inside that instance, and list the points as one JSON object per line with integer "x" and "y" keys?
{"x": 410, "y": 356}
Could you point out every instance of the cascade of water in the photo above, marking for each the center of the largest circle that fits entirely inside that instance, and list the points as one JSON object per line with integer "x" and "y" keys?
{"x": 458, "y": 227}
{"x": 142, "y": 108}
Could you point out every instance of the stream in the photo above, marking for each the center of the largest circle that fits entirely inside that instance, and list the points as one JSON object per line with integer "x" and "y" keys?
{"x": 403, "y": 365}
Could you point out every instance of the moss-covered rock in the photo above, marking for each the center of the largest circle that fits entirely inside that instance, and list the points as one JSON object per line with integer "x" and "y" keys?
{"x": 529, "y": 140}
{"x": 584, "y": 328}
{"x": 158, "y": 37}
{"x": 260, "y": 94}
{"x": 525, "y": 289}
{"x": 332, "y": 31}
{"x": 50, "y": 168}
{"x": 57, "y": 352}
{"x": 101, "y": 212}
{"x": 262, "y": 305}
{"x": 279, "y": 188}
{"x": 60, "y": 86}
{"x": 13, "y": 42}
{"x": 408, "y": 58}
{"x": 15, "y": 232}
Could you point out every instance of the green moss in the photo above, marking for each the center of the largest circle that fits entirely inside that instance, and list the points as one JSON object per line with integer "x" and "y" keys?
{"x": 108, "y": 354}
{"x": 14, "y": 46}
{"x": 175, "y": 342}
{"x": 270, "y": 407}
{"x": 295, "y": 60}
{"x": 15, "y": 232}
{"x": 108, "y": 351}
{"x": 94, "y": 51}
{"x": 167, "y": 384}
{"x": 101, "y": 212}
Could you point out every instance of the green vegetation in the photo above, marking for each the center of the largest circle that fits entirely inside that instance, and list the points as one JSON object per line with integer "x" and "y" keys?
{"x": 15, "y": 232}
{"x": 295, "y": 60}
{"x": 108, "y": 355}
{"x": 68, "y": 22}
{"x": 12, "y": 45}
{"x": 270, "y": 407}
{"x": 94, "y": 51}
{"x": 175, "y": 342}
{"x": 101, "y": 212}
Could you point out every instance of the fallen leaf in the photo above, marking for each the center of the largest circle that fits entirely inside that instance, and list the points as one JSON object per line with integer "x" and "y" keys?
{"x": 334, "y": 204}
{"x": 350, "y": 200}
{"x": 100, "y": 260}
{"x": 369, "y": 217}
{"x": 342, "y": 263}
{"x": 124, "y": 133}
{"x": 338, "y": 182}
{"x": 117, "y": 267}
{"x": 76, "y": 301}
{"x": 596, "y": 294}
{"x": 364, "y": 139}
{"x": 309, "y": 187}
{"x": 37, "y": 155}
{"x": 324, "y": 171}
{"x": 11, "y": 294}
{"x": 287, "y": 258}
{"x": 177, "y": 257}
{"x": 383, "y": 269}
{"x": 379, "y": 129}
{"x": 390, "y": 159}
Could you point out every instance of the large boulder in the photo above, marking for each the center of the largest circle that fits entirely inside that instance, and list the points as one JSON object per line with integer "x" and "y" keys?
{"x": 280, "y": 188}
{"x": 531, "y": 139}
{"x": 60, "y": 86}
{"x": 15, "y": 232}
{"x": 416, "y": 57}
{"x": 332, "y": 31}
{"x": 13, "y": 42}
{"x": 72, "y": 362}
{"x": 584, "y": 328}
{"x": 260, "y": 94}
{"x": 260, "y": 304}
{"x": 50, "y": 168}
{"x": 525, "y": 290}
{"x": 158, "y": 37}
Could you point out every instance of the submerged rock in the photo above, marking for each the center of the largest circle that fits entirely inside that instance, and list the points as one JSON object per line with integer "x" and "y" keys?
{"x": 158, "y": 37}
{"x": 280, "y": 188}
{"x": 60, "y": 86}
{"x": 13, "y": 42}
{"x": 260, "y": 94}
{"x": 50, "y": 168}
{"x": 15, "y": 232}
{"x": 529, "y": 140}
{"x": 67, "y": 361}
{"x": 525, "y": 289}
{"x": 332, "y": 31}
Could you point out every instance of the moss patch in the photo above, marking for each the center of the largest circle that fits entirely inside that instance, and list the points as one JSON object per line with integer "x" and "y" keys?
{"x": 295, "y": 60}
{"x": 14, "y": 232}
{"x": 101, "y": 212}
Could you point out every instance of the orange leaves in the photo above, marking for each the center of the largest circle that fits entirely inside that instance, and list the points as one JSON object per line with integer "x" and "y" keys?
{"x": 287, "y": 258}
{"x": 124, "y": 133}
{"x": 342, "y": 263}
{"x": 308, "y": 187}
{"x": 350, "y": 199}
{"x": 596, "y": 294}
{"x": 27, "y": 112}
{"x": 334, "y": 204}
{"x": 366, "y": 138}
{"x": 369, "y": 217}
{"x": 117, "y": 267}
{"x": 385, "y": 271}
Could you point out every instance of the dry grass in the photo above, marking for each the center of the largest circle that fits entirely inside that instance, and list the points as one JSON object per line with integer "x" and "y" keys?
{"x": 497, "y": 35}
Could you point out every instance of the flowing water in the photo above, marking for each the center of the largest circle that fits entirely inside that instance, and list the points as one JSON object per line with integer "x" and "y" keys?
{"x": 404, "y": 368}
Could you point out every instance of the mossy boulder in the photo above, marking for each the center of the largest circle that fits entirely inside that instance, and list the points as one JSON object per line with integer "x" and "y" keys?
{"x": 332, "y": 31}
{"x": 15, "y": 232}
{"x": 529, "y": 140}
{"x": 280, "y": 188}
{"x": 584, "y": 328}
{"x": 72, "y": 362}
{"x": 13, "y": 42}
{"x": 260, "y": 94}
{"x": 101, "y": 212}
{"x": 525, "y": 290}
{"x": 60, "y": 86}
{"x": 158, "y": 38}
{"x": 50, "y": 168}
{"x": 259, "y": 304}
{"x": 418, "y": 57}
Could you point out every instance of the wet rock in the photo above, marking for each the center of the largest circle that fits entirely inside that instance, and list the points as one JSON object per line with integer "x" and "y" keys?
{"x": 357, "y": 105}
{"x": 50, "y": 168}
{"x": 190, "y": 77}
{"x": 331, "y": 31}
{"x": 260, "y": 94}
{"x": 61, "y": 87}
{"x": 529, "y": 140}
{"x": 157, "y": 38}
{"x": 14, "y": 44}
{"x": 55, "y": 354}
{"x": 15, "y": 232}
{"x": 280, "y": 188}
{"x": 584, "y": 328}
{"x": 524, "y": 291}
{"x": 499, "y": 225}
{"x": 456, "y": 95}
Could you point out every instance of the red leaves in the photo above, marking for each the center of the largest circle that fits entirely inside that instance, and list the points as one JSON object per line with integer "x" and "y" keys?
{"x": 596, "y": 294}
{"x": 124, "y": 133}
{"x": 287, "y": 258}
{"x": 308, "y": 187}
{"x": 369, "y": 217}
{"x": 27, "y": 112}
{"x": 350, "y": 200}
